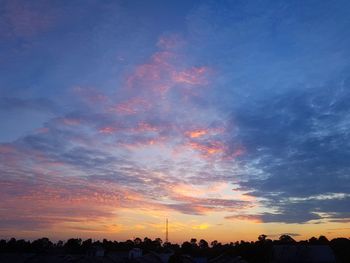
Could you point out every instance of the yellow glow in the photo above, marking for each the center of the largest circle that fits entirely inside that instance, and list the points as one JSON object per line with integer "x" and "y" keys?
{"x": 201, "y": 226}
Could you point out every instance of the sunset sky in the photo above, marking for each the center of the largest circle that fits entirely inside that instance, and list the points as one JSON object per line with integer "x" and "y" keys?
{"x": 229, "y": 118}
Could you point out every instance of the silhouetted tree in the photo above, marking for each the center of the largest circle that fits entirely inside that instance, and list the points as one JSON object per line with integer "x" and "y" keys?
{"x": 194, "y": 242}
{"x": 203, "y": 244}
{"x": 73, "y": 246}
{"x": 3, "y": 245}
{"x": 286, "y": 239}
{"x": 41, "y": 244}
{"x": 323, "y": 240}
{"x": 11, "y": 245}
{"x": 214, "y": 243}
{"x": 86, "y": 245}
{"x": 128, "y": 244}
{"x": 159, "y": 241}
{"x": 262, "y": 237}
{"x": 147, "y": 240}
{"x": 59, "y": 244}
{"x": 313, "y": 241}
{"x": 137, "y": 241}
{"x": 186, "y": 247}
{"x": 253, "y": 252}
{"x": 341, "y": 248}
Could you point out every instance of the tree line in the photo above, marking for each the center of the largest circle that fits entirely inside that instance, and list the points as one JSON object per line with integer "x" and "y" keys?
{"x": 252, "y": 251}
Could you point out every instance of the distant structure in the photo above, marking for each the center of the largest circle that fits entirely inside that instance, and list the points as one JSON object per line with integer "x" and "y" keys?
{"x": 302, "y": 254}
{"x": 96, "y": 251}
{"x": 166, "y": 232}
{"x": 135, "y": 253}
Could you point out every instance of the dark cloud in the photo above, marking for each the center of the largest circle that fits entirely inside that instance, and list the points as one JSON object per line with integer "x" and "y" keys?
{"x": 299, "y": 139}
{"x": 289, "y": 217}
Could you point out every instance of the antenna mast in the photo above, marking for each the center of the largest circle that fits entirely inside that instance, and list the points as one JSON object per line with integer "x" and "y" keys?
{"x": 166, "y": 232}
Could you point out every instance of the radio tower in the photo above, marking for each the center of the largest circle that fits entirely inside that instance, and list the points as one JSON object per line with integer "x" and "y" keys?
{"x": 166, "y": 232}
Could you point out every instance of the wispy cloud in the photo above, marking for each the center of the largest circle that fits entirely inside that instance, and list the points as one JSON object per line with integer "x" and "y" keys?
{"x": 129, "y": 151}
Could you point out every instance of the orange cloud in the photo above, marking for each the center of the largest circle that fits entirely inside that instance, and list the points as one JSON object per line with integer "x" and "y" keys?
{"x": 209, "y": 149}
{"x": 196, "y": 133}
{"x": 251, "y": 218}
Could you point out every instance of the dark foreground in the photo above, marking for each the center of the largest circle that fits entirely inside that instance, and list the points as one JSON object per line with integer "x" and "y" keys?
{"x": 283, "y": 250}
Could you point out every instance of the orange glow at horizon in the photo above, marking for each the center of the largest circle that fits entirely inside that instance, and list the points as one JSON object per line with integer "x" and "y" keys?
{"x": 135, "y": 223}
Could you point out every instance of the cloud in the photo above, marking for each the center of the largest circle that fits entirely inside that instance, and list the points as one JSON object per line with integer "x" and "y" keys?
{"x": 37, "y": 202}
{"x": 251, "y": 100}
{"x": 299, "y": 140}
{"x": 193, "y": 76}
{"x": 115, "y": 152}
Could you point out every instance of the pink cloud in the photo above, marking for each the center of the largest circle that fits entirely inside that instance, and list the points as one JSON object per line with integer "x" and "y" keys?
{"x": 91, "y": 172}
{"x": 238, "y": 152}
{"x": 107, "y": 130}
{"x": 192, "y": 76}
{"x": 70, "y": 121}
{"x": 154, "y": 73}
{"x": 5, "y": 149}
{"x": 143, "y": 126}
{"x": 60, "y": 201}
{"x": 132, "y": 106}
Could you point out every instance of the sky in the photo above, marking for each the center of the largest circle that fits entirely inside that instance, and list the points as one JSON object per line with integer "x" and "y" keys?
{"x": 229, "y": 118}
